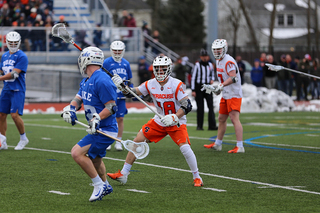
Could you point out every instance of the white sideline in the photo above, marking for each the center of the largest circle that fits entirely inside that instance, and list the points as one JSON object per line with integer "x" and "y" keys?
{"x": 202, "y": 173}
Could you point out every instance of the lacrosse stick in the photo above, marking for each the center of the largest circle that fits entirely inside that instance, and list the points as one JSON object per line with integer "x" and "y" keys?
{"x": 277, "y": 68}
{"x": 140, "y": 150}
{"x": 59, "y": 30}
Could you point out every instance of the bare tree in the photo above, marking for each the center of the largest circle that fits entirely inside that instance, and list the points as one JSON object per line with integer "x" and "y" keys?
{"x": 234, "y": 17}
{"x": 316, "y": 26}
{"x": 273, "y": 17}
{"x": 251, "y": 29}
{"x": 308, "y": 26}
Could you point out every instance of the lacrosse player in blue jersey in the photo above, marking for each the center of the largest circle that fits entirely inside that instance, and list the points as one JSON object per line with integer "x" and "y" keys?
{"x": 98, "y": 95}
{"x": 120, "y": 66}
{"x": 13, "y": 68}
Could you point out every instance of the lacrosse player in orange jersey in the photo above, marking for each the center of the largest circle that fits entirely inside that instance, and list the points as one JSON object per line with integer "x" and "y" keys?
{"x": 230, "y": 86}
{"x": 172, "y": 103}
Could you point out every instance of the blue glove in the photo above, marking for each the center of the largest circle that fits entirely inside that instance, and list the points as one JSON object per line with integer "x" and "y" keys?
{"x": 69, "y": 114}
{"x": 94, "y": 124}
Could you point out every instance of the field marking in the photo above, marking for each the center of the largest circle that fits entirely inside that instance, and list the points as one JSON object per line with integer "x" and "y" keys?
{"x": 59, "y": 193}
{"x": 216, "y": 190}
{"x": 184, "y": 170}
{"x": 136, "y": 190}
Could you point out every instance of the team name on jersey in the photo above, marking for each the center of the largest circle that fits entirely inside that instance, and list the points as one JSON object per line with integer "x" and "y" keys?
{"x": 119, "y": 71}
{"x": 86, "y": 96}
{"x": 8, "y": 62}
{"x": 163, "y": 96}
{"x": 219, "y": 69}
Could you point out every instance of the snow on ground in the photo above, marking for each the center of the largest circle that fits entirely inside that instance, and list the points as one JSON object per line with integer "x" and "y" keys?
{"x": 254, "y": 99}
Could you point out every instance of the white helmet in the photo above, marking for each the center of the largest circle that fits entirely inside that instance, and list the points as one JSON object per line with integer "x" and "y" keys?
{"x": 162, "y": 67}
{"x": 219, "y": 48}
{"x": 90, "y": 55}
{"x": 13, "y": 40}
{"x": 117, "y": 49}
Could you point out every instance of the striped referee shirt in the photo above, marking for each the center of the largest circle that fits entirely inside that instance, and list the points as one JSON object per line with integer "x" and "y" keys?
{"x": 202, "y": 73}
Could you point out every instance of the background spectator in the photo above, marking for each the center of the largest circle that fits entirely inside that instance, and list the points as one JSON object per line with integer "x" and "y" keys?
{"x": 241, "y": 66}
{"x": 156, "y": 39}
{"x": 97, "y": 35}
{"x": 257, "y": 73}
{"x": 315, "y": 83}
{"x": 303, "y": 80}
{"x": 283, "y": 75}
{"x": 24, "y": 33}
{"x": 123, "y": 19}
{"x": 270, "y": 76}
{"x": 146, "y": 31}
{"x": 180, "y": 71}
{"x": 38, "y": 37}
{"x": 143, "y": 72}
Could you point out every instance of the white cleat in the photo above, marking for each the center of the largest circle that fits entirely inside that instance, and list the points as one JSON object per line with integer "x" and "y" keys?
{"x": 3, "y": 142}
{"x": 118, "y": 146}
{"x": 118, "y": 176}
{"x": 98, "y": 192}
{"x": 217, "y": 147}
{"x": 109, "y": 148}
{"x": 21, "y": 144}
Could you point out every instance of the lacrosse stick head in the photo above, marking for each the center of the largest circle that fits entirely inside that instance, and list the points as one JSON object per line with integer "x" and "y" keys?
{"x": 140, "y": 150}
{"x": 275, "y": 68}
{"x": 59, "y": 30}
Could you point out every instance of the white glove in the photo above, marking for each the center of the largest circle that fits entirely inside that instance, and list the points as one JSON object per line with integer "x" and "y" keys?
{"x": 94, "y": 124}
{"x": 117, "y": 80}
{"x": 69, "y": 114}
{"x": 170, "y": 120}
{"x": 208, "y": 88}
{"x": 218, "y": 89}
{"x": 274, "y": 67}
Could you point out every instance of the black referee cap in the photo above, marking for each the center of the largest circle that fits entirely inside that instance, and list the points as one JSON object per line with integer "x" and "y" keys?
{"x": 203, "y": 52}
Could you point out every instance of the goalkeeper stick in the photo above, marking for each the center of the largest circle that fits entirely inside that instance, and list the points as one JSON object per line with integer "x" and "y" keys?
{"x": 140, "y": 150}
{"x": 277, "y": 68}
{"x": 59, "y": 30}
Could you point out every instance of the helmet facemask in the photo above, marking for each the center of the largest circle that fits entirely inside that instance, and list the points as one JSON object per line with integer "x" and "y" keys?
{"x": 13, "y": 41}
{"x": 117, "y": 49}
{"x": 162, "y": 68}
{"x": 219, "y": 48}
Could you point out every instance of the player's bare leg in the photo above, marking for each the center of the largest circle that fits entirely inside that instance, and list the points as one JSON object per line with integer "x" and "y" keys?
{"x": 118, "y": 145}
{"x": 217, "y": 145}
{"x": 20, "y": 126}
{"x": 3, "y": 123}
{"x": 100, "y": 167}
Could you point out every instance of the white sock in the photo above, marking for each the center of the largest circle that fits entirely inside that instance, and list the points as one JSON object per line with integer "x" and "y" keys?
{"x": 106, "y": 182}
{"x": 126, "y": 168}
{"x": 120, "y": 138}
{"x": 191, "y": 159}
{"x": 23, "y": 137}
{"x": 97, "y": 180}
{"x": 239, "y": 144}
{"x": 218, "y": 142}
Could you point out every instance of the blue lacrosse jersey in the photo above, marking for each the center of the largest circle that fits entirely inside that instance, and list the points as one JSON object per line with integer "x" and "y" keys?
{"x": 17, "y": 60}
{"x": 95, "y": 92}
{"x": 122, "y": 68}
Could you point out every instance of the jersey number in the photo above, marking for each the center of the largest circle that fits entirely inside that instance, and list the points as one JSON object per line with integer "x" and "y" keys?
{"x": 221, "y": 79}
{"x": 168, "y": 107}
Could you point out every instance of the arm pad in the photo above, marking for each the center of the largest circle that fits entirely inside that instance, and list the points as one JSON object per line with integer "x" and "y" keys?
{"x": 14, "y": 74}
{"x": 186, "y": 105}
{"x": 234, "y": 79}
{"x": 112, "y": 107}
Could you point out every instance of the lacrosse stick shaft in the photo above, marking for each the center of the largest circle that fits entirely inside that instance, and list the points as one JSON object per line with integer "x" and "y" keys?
{"x": 79, "y": 48}
{"x": 100, "y": 132}
{"x": 303, "y": 73}
{"x": 271, "y": 66}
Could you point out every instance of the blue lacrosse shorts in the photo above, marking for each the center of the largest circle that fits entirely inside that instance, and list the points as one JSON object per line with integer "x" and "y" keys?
{"x": 122, "y": 109}
{"x": 12, "y": 101}
{"x": 98, "y": 142}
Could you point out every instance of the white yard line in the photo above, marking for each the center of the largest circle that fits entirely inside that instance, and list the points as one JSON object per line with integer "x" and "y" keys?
{"x": 202, "y": 173}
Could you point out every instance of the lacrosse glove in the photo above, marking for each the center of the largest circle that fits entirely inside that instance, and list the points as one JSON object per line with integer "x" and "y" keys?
{"x": 94, "y": 124}
{"x": 218, "y": 89}
{"x": 117, "y": 80}
{"x": 170, "y": 120}
{"x": 69, "y": 114}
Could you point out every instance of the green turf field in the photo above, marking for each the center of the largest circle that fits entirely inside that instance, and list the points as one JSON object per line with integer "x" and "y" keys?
{"x": 280, "y": 171}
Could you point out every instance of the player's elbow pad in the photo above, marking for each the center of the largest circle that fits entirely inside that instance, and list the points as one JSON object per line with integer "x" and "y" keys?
{"x": 14, "y": 74}
{"x": 186, "y": 106}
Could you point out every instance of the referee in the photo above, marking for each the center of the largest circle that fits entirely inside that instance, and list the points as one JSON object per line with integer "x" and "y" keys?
{"x": 203, "y": 73}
